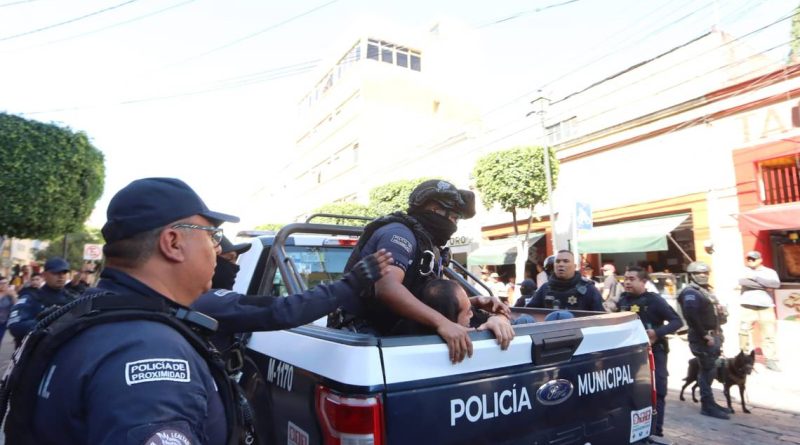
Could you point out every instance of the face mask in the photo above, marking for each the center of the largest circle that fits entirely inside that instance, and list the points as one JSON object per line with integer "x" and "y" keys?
{"x": 701, "y": 280}
{"x": 224, "y": 274}
{"x": 439, "y": 227}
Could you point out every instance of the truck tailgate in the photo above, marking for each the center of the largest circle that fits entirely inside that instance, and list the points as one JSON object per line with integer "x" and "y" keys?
{"x": 579, "y": 381}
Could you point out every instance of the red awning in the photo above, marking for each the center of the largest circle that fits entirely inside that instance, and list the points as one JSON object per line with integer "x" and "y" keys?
{"x": 774, "y": 217}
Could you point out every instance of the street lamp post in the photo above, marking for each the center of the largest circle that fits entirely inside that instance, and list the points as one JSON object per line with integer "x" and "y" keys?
{"x": 543, "y": 103}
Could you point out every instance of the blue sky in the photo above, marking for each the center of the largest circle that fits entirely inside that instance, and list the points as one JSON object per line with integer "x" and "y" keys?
{"x": 205, "y": 90}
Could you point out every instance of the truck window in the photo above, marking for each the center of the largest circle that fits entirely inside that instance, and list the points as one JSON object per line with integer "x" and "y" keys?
{"x": 316, "y": 264}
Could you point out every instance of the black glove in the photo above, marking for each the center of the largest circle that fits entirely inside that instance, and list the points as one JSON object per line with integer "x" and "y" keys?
{"x": 366, "y": 271}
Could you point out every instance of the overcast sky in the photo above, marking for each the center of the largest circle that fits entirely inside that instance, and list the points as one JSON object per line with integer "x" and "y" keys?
{"x": 206, "y": 90}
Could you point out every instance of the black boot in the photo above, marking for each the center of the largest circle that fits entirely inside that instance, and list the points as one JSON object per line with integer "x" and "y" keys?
{"x": 709, "y": 409}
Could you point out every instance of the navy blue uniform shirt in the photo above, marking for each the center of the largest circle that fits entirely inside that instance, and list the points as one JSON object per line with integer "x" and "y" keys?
{"x": 397, "y": 239}
{"x": 236, "y": 312}
{"x": 30, "y": 304}
{"x": 699, "y": 313}
{"x": 575, "y": 294}
{"x": 653, "y": 310}
{"x": 129, "y": 383}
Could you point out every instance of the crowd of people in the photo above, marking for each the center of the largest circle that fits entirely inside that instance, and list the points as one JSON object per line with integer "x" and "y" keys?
{"x": 166, "y": 255}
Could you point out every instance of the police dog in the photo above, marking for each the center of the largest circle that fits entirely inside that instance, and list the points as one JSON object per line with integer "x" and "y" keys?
{"x": 730, "y": 372}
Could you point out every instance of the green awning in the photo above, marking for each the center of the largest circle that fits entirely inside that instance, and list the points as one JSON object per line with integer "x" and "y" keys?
{"x": 498, "y": 252}
{"x": 644, "y": 235}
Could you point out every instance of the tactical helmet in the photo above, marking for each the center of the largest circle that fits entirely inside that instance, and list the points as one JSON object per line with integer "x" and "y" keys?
{"x": 698, "y": 267}
{"x": 549, "y": 264}
{"x": 445, "y": 194}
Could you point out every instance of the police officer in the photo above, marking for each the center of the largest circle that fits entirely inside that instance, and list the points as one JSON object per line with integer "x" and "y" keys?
{"x": 566, "y": 289}
{"x": 415, "y": 240}
{"x": 653, "y": 311}
{"x": 526, "y": 291}
{"x": 32, "y": 300}
{"x": 239, "y": 313}
{"x": 700, "y": 311}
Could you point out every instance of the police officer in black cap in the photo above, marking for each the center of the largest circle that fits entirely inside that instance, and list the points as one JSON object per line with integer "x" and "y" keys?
{"x": 566, "y": 289}
{"x": 238, "y": 313}
{"x": 701, "y": 311}
{"x": 416, "y": 241}
{"x": 654, "y": 311}
{"x": 33, "y": 301}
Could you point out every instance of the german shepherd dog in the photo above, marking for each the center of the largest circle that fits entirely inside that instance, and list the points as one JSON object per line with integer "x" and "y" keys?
{"x": 730, "y": 372}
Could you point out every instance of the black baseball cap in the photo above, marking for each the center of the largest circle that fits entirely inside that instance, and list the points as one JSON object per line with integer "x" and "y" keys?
{"x": 56, "y": 264}
{"x": 148, "y": 203}
{"x": 227, "y": 246}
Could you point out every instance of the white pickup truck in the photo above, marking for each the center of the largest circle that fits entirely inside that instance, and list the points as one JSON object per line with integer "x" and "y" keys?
{"x": 586, "y": 380}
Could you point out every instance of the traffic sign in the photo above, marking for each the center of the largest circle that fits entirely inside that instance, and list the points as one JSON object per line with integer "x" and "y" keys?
{"x": 583, "y": 216}
{"x": 92, "y": 252}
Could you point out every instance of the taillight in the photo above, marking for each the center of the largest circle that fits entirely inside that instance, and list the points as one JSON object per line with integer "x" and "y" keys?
{"x": 349, "y": 420}
{"x": 652, "y": 361}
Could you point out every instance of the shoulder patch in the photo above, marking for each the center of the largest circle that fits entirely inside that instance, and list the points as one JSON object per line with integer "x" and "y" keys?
{"x": 222, "y": 292}
{"x": 402, "y": 242}
{"x": 168, "y": 436}
{"x": 156, "y": 370}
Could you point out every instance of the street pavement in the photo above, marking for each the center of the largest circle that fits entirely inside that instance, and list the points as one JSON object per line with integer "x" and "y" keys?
{"x": 773, "y": 398}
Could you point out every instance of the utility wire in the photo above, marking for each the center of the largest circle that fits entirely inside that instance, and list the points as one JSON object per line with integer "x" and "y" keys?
{"x": 73, "y": 20}
{"x": 603, "y": 98}
{"x": 114, "y": 25}
{"x": 2, "y": 5}
{"x": 255, "y": 34}
{"x": 522, "y": 13}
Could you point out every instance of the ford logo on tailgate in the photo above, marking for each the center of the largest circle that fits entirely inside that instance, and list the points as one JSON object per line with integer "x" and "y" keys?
{"x": 554, "y": 392}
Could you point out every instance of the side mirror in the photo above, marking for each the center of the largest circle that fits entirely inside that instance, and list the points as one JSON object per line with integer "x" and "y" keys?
{"x": 708, "y": 246}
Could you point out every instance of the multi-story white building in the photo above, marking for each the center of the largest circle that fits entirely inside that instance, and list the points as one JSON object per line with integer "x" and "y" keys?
{"x": 386, "y": 108}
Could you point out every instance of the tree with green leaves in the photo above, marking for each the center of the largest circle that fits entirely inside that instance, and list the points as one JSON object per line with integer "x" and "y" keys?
{"x": 515, "y": 179}
{"x": 794, "y": 43}
{"x": 393, "y": 196}
{"x": 344, "y": 208}
{"x": 51, "y": 179}
{"x": 270, "y": 226}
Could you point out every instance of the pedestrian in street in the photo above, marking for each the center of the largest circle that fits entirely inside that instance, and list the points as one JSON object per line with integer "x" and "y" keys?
{"x": 612, "y": 289}
{"x": 32, "y": 300}
{"x": 758, "y": 306}
{"x": 659, "y": 320}
{"x": 700, "y": 309}
{"x": 8, "y": 296}
{"x": 567, "y": 289}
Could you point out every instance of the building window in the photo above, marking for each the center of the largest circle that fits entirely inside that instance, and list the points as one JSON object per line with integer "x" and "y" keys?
{"x": 402, "y": 57}
{"x": 394, "y": 54}
{"x": 780, "y": 182}
{"x": 416, "y": 61}
{"x": 372, "y": 50}
{"x": 561, "y": 131}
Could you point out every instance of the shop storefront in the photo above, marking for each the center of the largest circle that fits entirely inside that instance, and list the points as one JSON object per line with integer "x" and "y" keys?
{"x": 769, "y": 218}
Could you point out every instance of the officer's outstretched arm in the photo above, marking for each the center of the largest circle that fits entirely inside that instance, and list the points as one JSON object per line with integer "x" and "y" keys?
{"x": 393, "y": 294}
{"x": 240, "y": 313}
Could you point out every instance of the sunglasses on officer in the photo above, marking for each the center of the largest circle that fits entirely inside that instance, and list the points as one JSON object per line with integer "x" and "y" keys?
{"x": 215, "y": 232}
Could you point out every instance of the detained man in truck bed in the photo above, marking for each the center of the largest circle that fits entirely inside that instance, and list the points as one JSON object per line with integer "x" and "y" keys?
{"x": 416, "y": 241}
